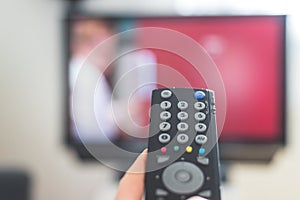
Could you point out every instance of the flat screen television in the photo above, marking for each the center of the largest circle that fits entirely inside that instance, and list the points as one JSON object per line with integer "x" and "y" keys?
{"x": 249, "y": 51}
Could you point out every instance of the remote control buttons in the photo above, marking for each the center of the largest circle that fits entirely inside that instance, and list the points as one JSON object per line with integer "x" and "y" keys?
{"x": 205, "y": 193}
{"x": 189, "y": 149}
{"x": 164, "y": 126}
{"x": 166, "y": 94}
{"x": 202, "y": 160}
{"x": 200, "y": 139}
{"x": 182, "y": 116}
{"x": 163, "y": 150}
{"x": 165, "y": 115}
{"x": 199, "y": 95}
{"x": 176, "y": 148}
{"x": 183, "y": 178}
{"x": 200, "y": 116}
{"x": 182, "y": 138}
{"x": 161, "y": 192}
{"x": 200, "y": 127}
{"x": 164, "y": 138}
{"x": 165, "y": 105}
{"x": 162, "y": 158}
{"x": 182, "y": 126}
{"x": 202, "y": 151}
{"x": 199, "y": 105}
{"x": 182, "y": 105}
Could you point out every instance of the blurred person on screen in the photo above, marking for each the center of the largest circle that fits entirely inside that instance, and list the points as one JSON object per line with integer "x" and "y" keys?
{"x": 113, "y": 116}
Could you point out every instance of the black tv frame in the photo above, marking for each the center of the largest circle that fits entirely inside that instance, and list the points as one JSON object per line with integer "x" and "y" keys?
{"x": 238, "y": 150}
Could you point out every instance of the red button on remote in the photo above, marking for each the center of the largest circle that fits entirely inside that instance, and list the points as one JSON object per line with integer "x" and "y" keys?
{"x": 163, "y": 150}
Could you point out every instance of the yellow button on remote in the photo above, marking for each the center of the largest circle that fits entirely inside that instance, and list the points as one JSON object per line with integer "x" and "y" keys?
{"x": 189, "y": 149}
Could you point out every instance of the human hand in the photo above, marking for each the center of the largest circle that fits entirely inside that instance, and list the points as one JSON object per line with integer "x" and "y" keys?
{"x": 131, "y": 186}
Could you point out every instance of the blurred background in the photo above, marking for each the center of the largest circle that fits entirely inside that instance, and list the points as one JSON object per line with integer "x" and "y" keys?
{"x": 33, "y": 146}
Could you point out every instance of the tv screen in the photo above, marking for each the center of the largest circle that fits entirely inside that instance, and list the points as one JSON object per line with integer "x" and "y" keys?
{"x": 249, "y": 52}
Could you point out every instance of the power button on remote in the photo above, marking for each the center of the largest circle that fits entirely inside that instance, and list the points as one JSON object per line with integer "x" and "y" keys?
{"x": 199, "y": 95}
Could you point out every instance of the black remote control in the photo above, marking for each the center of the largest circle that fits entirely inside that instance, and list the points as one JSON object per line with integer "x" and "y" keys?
{"x": 183, "y": 155}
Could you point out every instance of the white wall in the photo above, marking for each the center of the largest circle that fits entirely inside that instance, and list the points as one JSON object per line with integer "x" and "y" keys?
{"x": 31, "y": 121}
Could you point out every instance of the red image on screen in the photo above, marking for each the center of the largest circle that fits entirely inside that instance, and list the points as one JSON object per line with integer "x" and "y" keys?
{"x": 249, "y": 55}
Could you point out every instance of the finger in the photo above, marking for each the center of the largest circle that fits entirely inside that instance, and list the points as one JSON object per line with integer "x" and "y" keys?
{"x": 139, "y": 166}
{"x": 196, "y": 198}
{"x": 131, "y": 186}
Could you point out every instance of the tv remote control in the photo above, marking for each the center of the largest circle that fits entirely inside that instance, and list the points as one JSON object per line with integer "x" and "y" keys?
{"x": 183, "y": 157}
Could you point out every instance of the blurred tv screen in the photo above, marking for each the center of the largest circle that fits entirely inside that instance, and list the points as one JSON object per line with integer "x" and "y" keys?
{"x": 249, "y": 52}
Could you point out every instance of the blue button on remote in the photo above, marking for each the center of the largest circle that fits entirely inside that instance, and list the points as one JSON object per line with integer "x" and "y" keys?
{"x": 201, "y": 151}
{"x": 199, "y": 95}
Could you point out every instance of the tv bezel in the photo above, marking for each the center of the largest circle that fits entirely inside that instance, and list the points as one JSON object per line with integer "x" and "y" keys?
{"x": 237, "y": 150}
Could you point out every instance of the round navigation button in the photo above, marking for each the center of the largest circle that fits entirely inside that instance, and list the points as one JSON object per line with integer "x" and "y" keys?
{"x": 164, "y": 138}
{"x": 199, "y": 95}
{"x": 182, "y": 105}
{"x": 166, "y": 94}
{"x": 165, "y": 105}
{"x": 183, "y": 177}
{"x": 199, "y": 105}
